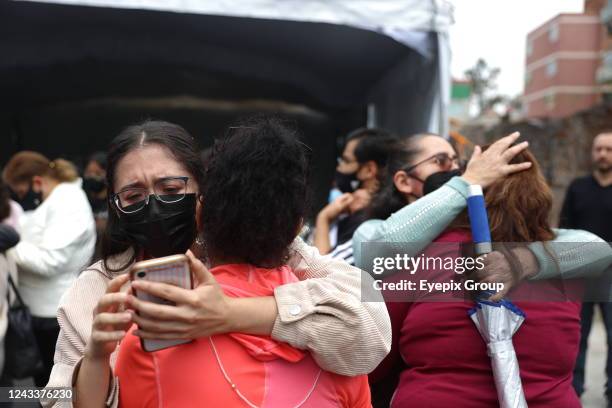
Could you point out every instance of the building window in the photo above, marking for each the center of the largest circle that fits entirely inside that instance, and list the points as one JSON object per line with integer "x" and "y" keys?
{"x": 529, "y": 48}
{"x": 553, "y": 33}
{"x": 527, "y": 78}
{"x": 551, "y": 68}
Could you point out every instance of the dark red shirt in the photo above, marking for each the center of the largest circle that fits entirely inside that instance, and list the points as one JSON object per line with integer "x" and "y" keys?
{"x": 447, "y": 361}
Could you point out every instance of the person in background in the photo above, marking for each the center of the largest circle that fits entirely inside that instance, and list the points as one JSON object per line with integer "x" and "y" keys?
{"x": 339, "y": 220}
{"x": 364, "y": 157}
{"x": 588, "y": 206}
{"x": 57, "y": 240}
{"x": 94, "y": 184}
{"x": 8, "y": 239}
{"x": 9, "y": 208}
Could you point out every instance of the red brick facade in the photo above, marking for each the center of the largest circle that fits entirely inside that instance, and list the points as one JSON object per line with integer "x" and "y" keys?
{"x": 561, "y": 64}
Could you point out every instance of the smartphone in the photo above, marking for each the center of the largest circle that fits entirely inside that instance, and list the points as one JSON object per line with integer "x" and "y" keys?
{"x": 173, "y": 270}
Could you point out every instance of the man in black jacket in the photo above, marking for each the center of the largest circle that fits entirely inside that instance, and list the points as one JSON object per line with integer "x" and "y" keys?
{"x": 588, "y": 206}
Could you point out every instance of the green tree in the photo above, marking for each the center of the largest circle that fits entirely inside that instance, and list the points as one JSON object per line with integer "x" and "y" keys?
{"x": 482, "y": 78}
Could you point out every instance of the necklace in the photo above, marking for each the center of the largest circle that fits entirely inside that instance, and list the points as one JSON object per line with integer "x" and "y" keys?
{"x": 240, "y": 395}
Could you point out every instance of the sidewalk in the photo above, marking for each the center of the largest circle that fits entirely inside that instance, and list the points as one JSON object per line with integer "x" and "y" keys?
{"x": 595, "y": 366}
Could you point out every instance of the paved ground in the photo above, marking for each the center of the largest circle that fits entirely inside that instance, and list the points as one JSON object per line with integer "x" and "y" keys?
{"x": 595, "y": 366}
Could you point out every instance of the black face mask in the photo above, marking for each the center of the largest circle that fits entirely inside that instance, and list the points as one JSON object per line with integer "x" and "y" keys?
{"x": 162, "y": 229}
{"x": 30, "y": 200}
{"x": 98, "y": 205}
{"x": 347, "y": 183}
{"x": 93, "y": 185}
{"x": 437, "y": 180}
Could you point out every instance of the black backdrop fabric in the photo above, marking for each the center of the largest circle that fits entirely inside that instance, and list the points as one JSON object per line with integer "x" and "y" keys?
{"x": 72, "y": 76}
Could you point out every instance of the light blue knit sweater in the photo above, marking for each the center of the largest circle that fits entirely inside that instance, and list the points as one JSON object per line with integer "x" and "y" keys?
{"x": 576, "y": 253}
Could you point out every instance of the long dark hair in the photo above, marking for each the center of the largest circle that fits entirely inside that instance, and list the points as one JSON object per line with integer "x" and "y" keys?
{"x": 389, "y": 199}
{"x": 182, "y": 146}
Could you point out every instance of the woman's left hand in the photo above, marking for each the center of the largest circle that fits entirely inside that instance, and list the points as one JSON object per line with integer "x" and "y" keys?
{"x": 497, "y": 270}
{"x": 199, "y": 312}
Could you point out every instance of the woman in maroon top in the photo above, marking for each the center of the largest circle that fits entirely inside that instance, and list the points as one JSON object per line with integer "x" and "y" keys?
{"x": 442, "y": 356}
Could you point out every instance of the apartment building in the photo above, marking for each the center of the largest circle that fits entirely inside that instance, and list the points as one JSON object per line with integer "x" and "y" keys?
{"x": 564, "y": 63}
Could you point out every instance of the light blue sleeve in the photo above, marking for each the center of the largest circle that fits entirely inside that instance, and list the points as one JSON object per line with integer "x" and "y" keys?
{"x": 572, "y": 254}
{"x": 417, "y": 224}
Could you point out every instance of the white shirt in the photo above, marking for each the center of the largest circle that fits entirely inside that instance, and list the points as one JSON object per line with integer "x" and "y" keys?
{"x": 57, "y": 242}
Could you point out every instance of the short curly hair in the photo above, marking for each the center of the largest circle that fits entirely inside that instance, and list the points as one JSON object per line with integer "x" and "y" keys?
{"x": 255, "y": 192}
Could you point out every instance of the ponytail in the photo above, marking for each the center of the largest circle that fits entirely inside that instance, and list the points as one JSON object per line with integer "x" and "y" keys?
{"x": 27, "y": 164}
{"x": 62, "y": 170}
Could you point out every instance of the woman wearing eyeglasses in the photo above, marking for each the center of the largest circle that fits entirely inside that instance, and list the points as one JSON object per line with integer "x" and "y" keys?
{"x": 416, "y": 204}
{"x": 57, "y": 240}
{"x": 403, "y": 211}
{"x": 239, "y": 195}
{"x": 154, "y": 176}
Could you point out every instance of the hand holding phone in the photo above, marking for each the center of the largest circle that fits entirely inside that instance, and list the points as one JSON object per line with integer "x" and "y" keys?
{"x": 173, "y": 270}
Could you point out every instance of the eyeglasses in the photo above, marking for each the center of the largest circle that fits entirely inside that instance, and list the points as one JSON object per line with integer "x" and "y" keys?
{"x": 167, "y": 190}
{"x": 441, "y": 159}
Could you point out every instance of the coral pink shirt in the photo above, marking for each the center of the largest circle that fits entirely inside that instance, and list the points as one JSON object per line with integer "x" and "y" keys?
{"x": 268, "y": 373}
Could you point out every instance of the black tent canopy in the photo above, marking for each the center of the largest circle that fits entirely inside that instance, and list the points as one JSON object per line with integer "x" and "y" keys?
{"x": 71, "y": 76}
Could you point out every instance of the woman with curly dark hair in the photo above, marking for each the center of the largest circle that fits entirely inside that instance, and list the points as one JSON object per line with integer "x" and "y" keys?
{"x": 254, "y": 200}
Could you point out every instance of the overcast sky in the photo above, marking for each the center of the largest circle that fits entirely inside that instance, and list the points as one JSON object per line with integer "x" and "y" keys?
{"x": 496, "y": 30}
